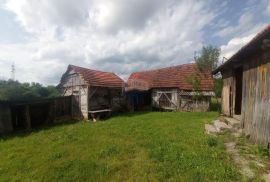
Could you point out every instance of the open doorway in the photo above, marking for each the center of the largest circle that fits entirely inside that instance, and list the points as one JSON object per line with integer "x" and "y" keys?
{"x": 18, "y": 117}
{"x": 238, "y": 90}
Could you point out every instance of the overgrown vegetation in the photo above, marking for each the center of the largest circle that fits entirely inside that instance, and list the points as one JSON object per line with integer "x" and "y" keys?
{"x": 131, "y": 147}
{"x": 206, "y": 63}
{"x": 212, "y": 142}
{"x": 215, "y": 104}
{"x": 14, "y": 90}
{"x": 218, "y": 86}
{"x": 196, "y": 85}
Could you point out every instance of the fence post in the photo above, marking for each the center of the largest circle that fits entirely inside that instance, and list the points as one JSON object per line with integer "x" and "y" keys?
{"x": 27, "y": 117}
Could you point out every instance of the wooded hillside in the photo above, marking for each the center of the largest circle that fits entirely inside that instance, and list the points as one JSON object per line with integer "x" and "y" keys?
{"x": 14, "y": 90}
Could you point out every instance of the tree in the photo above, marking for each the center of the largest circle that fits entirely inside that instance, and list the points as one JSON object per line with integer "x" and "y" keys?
{"x": 206, "y": 63}
{"x": 209, "y": 58}
{"x": 13, "y": 90}
{"x": 218, "y": 86}
{"x": 196, "y": 84}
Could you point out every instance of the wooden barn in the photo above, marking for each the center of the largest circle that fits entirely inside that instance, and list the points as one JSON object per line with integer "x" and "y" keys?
{"x": 169, "y": 89}
{"x": 246, "y": 87}
{"x": 96, "y": 91}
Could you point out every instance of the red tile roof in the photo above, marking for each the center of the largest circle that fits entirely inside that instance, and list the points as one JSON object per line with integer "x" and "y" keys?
{"x": 170, "y": 77}
{"x": 248, "y": 48}
{"x": 98, "y": 78}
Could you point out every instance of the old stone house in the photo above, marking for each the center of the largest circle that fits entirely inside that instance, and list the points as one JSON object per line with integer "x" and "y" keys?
{"x": 246, "y": 87}
{"x": 169, "y": 89}
{"x": 95, "y": 90}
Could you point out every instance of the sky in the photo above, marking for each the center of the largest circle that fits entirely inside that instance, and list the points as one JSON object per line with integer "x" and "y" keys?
{"x": 42, "y": 37}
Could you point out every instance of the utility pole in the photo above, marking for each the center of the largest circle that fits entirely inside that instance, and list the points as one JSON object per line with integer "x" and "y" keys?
{"x": 13, "y": 72}
{"x": 195, "y": 55}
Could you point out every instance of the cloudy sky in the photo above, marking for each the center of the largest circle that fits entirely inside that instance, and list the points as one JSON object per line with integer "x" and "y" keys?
{"x": 43, "y": 36}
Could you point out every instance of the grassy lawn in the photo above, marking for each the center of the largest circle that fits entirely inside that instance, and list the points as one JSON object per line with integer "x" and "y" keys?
{"x": 131, "y": 147}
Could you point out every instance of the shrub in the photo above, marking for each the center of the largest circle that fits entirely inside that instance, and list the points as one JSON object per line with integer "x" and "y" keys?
{"x": 212, "y": 142}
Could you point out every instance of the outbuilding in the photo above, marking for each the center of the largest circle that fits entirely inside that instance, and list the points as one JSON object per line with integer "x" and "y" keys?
{"x": 169, "y": 89}
{"x": 246, "y": 87}
{"x": 95, "y": 91}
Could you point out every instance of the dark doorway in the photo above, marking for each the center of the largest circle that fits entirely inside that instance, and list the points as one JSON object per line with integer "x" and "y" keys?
{"x": 18, "y": 117}
{"x": 139, "y": 100}
{"x": 39, "y": 114}
{"x": 238, "y": 90}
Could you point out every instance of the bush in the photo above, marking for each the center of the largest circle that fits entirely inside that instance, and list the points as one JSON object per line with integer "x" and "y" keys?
{"x": 262, "y": 151}
{"x": 212, "y": 142}
{"x": 215, "y": 104}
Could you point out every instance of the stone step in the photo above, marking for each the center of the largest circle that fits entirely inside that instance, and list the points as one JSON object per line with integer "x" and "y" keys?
{"x": 221, "y": 126}
{"x": 217, "y": 126}
{"x": 210, "y": 129}
{"x": 237, "y": 117}
{"x": 232, "y": 121}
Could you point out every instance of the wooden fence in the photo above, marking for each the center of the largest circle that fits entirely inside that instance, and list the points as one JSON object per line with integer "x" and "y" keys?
{"x": 26, "y": 115}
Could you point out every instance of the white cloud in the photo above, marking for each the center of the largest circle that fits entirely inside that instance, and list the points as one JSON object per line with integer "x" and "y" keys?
{"x": 248, "y": 25}
{"x": 267, "y": 10}
{"x": 117, "y": 36}
{"x": 245, "y": 23}
{"x": 233, "y": 45}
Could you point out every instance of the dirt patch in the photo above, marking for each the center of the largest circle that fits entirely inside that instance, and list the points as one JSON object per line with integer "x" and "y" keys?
{"x": 266, "y": 177}
{"x": 240, "y": 161}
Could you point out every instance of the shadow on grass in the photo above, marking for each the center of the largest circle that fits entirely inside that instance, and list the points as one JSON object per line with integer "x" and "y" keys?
{"x": 26, "y": 132}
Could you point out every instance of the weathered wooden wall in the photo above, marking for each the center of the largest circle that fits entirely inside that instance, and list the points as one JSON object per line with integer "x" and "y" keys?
{"x": 227, "y": 104}
{"x": 26, "y": 115}
{"x": 5, "y": 118}
{"x": 165, "y": 98}
{"x": 73, "y": 84}
{"x": 256, "y": 97}
{"x": 104, "y": 98}
{"x": 255, "y": 115}
{"x": 188, "y": 103}
{"x": 173, "y": 99}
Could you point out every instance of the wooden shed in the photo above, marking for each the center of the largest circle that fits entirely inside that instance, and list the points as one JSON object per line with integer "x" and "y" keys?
{"x": 5, "y": 117}
{"x": 20, "y": 115}
{"x": 246, "y": 87}
{"x": 95, "y": 90}
{"x": 168, "y": 89}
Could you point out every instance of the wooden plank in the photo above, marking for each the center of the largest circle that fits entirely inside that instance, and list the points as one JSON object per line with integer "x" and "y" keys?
{"x": 27, "y": 117}
{"x": 100, "y": 111}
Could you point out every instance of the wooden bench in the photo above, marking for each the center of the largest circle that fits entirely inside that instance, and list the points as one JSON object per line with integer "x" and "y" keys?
{"x": 95, "y": 114}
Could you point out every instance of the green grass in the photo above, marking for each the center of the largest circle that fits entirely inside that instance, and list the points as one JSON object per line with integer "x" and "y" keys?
{"x": 131, "y": 147}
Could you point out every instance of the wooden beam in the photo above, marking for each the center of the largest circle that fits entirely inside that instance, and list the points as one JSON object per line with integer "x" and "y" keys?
{"x": 91, "y": 94}
{"x": 27, "y": 117}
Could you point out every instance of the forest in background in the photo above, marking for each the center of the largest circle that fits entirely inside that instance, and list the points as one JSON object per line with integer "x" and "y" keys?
{"x": 14, "y": 90}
